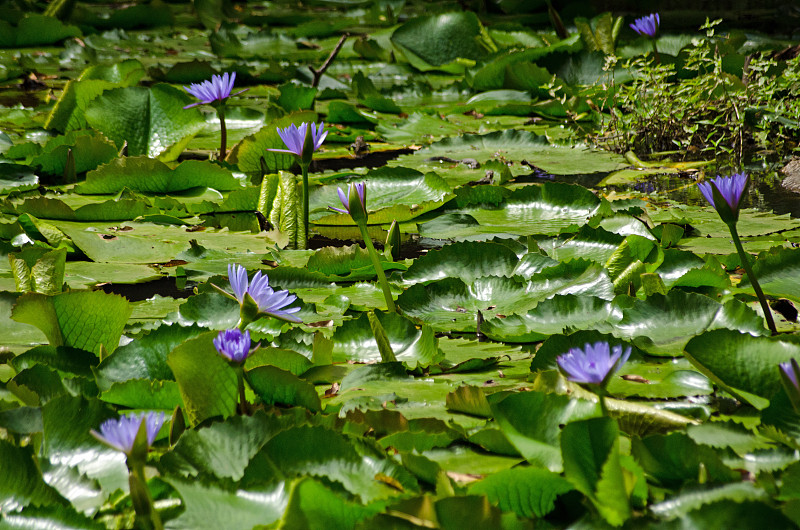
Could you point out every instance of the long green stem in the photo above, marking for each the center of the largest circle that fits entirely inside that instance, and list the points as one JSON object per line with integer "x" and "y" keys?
{"x": 603, "y": 406}
{"x": 753, "y": 281}
{"x": 146, "y": 514}
{"x": 223, "y": 133}
{"x": 243, "y": 405}
{"x": 304, "y": 168}
{"x": 373, "y": 254}
{"x": 656, "y": 56}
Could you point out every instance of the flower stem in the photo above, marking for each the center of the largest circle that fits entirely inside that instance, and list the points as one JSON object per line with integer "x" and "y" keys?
{"x": 243, "y": 405}
{"x": 373, "y": 254}
{"x": 304, "y": 168}
{"x": 753, "y": 281}
{"x": 223, "y": 132}
{"x": 603, "y": 406}
{"x": 146, "y": 514}
{"x": 656, "y": 56}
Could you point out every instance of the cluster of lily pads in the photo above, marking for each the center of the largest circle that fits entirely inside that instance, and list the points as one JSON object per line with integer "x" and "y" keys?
{"x": 461, "y": 325}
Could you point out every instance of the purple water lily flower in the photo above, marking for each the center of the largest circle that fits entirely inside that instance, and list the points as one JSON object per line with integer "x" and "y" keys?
{"x": 647, "y": 25}
{"x": 268, "y": 300}
{"x": 345, "y": 197}
{"x": 294, "y": 137}
{"x": 237, "y": 276}
{"x": 593, "y": 364}
{"x": 121, "y": 433}
{"x": 233, "y": 344}
{"x": 790, "y": 376}
{"x": 217, "y": 89}
{"x": 790, "y": 370}
{"x": 731, "y": 189}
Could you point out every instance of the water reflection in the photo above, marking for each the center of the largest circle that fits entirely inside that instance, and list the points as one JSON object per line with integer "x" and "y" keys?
{"x": 765, "y": 192}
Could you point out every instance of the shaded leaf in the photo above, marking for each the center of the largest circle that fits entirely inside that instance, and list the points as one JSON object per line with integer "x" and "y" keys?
{"x": 78, "y": 319}
{"x": 528, "y": 492}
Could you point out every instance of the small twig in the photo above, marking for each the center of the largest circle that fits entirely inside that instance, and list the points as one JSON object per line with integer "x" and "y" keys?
{"x": 318, "y": 73}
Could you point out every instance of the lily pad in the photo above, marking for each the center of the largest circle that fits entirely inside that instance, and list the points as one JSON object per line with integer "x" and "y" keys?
{"x": 545, "y": 209}
{"x": 437, "y": 41}
{"x": 151, "y": 121}
{"x": 153, "y": 243}
{"x": 34, "y": 30}
{"x": 727, "y": 357}
{"x": 515, "y": 146}
{"x": 147, "y": 175}
{"x": 17, "y": 177}
{"x": 467, "y": 261}
{"x": 659, "y": 327}
{"x": 391, "y": 194}
{"x": 452, "y": 305}
{"x": 355, "y": 340}
{"x": 552, "y": 317}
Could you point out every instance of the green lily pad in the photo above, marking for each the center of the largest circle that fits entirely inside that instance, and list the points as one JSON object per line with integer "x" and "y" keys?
{"x": 497, "y": 72}
{"x": 539, "y": 441}
{"x": 452, "y": 305}
{"x": 394, "y": 193}
{"x": 577, "y": 277}
{"x": 727, "y": 357}
{"x": 16, "y": 177}
{"x": 152, "y": 176}
{"x": 467, "y": 261}
{"x": 313, "y": 505}
{"x": 69, "y": 112}
{"x": 125, "y": 73}
{"x": 515, "y": 146}
{"x": 89, "y": 150}
{"x": 545, "y": 209}
{"x": 34, "y": 30}
{"x": 355, "y": 340}
{"x": 529, "y": 492}
{"x": 209, "y": 505}
{"x": 153, "y": 243}
{"x": 417, "y": 128}
{"x": 207, "y": 383}
{"x": 552, "y": 317}
{"x": 152, "y": 121}
{"x": 596, "y": 244}
{"x": 78, "y": 319}
{"x": 662, "y": 325}
{"x": 347, "y": 263}
{"x": 107, "y": 210}
{"x": 777, "y": 273}
{"x": 436, "y": 41}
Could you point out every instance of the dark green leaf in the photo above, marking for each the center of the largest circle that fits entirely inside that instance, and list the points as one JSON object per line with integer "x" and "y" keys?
{"x": 528, "y": 492}
{"x": 206, "y": 381}
{"x": 152, "y": 121}
{"x": 78, "y": 319}
{"x": 208, "y": 506}
{"x": 538, "y": 441}
{"x": 274, "y": 385}
{"x": 148, "y": 175}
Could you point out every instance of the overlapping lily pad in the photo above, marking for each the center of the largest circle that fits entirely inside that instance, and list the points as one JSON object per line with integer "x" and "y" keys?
{"x": 452, "y": 305}
{"x": 392, "y": 194}
{"x": 515, "y": 146}
{"x": 518, "y": 243}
